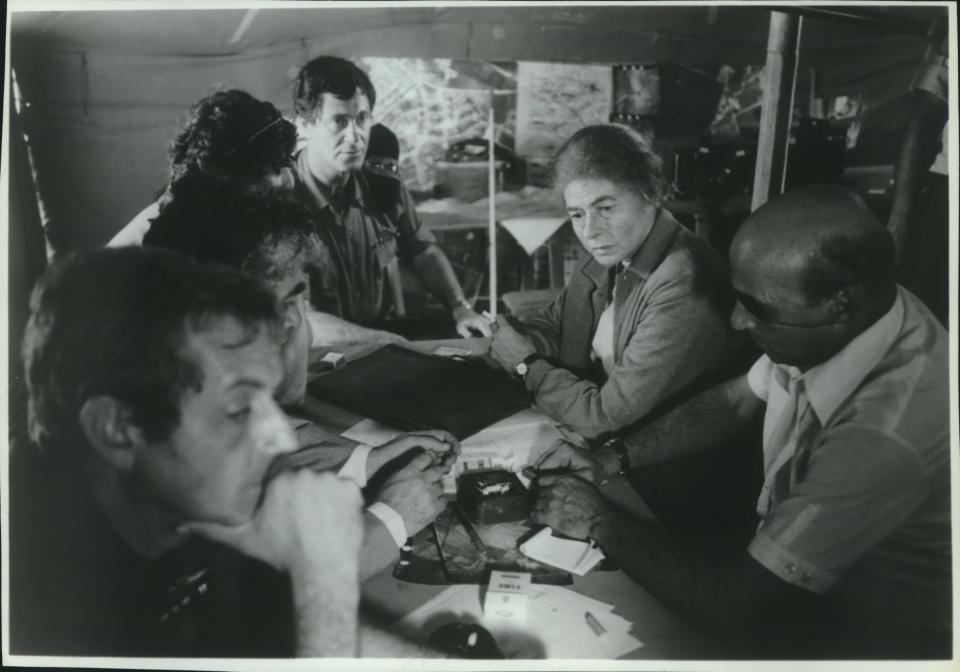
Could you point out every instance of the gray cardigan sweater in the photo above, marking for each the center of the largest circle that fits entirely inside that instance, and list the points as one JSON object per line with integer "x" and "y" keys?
{"x": 671, "y": 325}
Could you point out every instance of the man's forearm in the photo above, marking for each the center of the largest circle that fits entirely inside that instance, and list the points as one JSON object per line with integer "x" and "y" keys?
{"x": 437, "y": 274}
{"x": 722, "y": 595}
{"x": 325, "y": 599}
{"x": 702, "y": 423}
{"x": 329, "y": 330}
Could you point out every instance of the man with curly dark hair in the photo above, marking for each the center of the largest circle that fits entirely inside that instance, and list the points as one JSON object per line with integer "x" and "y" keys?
{"x": 368, "y": 217}
{"x": 269, "y": 234}
{"x": 229, "y": 135}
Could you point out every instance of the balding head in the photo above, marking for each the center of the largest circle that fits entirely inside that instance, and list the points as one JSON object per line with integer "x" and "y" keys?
{"x": 811, "y": 269}
{"x": 826, "y": 237}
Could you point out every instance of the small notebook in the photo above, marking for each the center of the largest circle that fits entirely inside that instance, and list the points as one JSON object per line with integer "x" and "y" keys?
{"x": 572, "y": 555}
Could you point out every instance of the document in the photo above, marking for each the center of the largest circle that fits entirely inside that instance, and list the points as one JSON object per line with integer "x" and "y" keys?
{"x": 511, "y": 443}
{"x": 371, "y": 432}
{"x": 572, "y": 555}
{"x": 532, "y": 232}
{"x": 556, "y": 626}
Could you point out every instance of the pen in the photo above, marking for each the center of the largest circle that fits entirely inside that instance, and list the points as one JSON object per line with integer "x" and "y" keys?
{"x": 532, "y": 472}
{"x": 594, "y": 624}
{"x": 586, "y": 552}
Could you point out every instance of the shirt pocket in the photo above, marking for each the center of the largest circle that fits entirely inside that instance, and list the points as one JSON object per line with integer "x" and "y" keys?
{"x": 385, "y": 245}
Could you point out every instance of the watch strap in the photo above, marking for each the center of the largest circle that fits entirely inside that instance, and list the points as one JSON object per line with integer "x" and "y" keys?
{"x": 523, "y": 366}
{"x": 530, "y": 359}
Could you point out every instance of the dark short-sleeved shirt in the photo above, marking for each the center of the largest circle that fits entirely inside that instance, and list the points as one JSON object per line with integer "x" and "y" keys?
{"x": 369, "y": 223}
{"x": 77, "y": 589}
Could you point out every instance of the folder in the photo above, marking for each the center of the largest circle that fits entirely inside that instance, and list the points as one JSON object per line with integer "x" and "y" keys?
{"x": 411, "y": 390}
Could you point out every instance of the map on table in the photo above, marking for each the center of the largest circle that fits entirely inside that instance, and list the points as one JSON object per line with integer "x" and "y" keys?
{"x": 445, "y": 553}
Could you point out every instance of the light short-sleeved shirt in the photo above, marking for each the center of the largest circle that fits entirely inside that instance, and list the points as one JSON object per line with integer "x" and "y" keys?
{"x": 866, "y": 515}
{"x": 374, "y": 223}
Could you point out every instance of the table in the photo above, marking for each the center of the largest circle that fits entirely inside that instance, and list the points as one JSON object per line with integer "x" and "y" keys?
{"x": 665, "y": 633}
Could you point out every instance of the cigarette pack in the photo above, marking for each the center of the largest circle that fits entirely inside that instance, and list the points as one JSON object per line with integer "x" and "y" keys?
{"x": 488, "y": 497}
{"x": 506, "y": 597}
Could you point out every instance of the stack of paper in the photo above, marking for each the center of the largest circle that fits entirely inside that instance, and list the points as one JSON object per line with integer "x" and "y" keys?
{"x": 572, "y": 555}
{"x": 557, "y": 624}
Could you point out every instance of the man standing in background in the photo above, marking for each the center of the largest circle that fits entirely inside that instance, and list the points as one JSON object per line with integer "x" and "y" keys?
{"x": 366, "y": 216}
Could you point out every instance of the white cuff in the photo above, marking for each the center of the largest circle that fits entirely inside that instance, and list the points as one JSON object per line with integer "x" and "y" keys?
{"x": 393, "y": 521}
{"x": 355, "y": 468}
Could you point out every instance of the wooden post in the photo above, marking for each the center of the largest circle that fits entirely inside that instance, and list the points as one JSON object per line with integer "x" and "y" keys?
{"x": 779, "y": 84}
{"x": 492, "y": 214}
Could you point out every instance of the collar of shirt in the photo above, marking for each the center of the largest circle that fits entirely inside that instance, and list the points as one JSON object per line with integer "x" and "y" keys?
{"x": 647, "y": 256}
{"x": 828, "y": 384}
{"x": 322, "y": 194}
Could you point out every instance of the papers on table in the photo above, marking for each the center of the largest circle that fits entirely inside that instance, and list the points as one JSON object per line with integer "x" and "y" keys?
{"x": 576, "y": 557}
{"x": 557, "y": 625}
{"x": 510, "y": 444}
{"x": 371, "y": 432}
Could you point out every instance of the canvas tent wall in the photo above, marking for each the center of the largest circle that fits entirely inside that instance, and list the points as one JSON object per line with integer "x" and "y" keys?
{"x": 107, "y": 88}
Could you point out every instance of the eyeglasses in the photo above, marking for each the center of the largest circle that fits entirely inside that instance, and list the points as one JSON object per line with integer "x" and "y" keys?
{"x": 776, "y": 323}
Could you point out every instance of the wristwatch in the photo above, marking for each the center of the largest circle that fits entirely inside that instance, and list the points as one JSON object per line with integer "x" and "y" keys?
{"x": 522, "y": 368}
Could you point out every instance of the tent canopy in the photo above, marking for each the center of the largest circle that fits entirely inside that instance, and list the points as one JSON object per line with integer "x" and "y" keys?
{"x": 107, "y": 88}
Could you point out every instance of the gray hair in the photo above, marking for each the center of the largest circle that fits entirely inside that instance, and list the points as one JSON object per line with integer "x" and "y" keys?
{"x": 615, "y": 153}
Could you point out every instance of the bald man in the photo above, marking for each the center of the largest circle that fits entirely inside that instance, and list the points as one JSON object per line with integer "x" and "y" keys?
{"x": 852, "y": 555}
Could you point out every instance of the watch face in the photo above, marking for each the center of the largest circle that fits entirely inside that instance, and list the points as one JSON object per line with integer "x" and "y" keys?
{"x": 521, "y": 369}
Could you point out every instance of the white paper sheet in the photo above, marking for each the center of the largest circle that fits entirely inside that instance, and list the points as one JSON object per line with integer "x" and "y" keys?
{"x": 577, "y": 557}
{"x": 371, "y": 432}
{"x": 506, "y": 445}
{"x": 511, "y": 443}
{"x": 556, "y": 624}
{"x": 532, "y": 232}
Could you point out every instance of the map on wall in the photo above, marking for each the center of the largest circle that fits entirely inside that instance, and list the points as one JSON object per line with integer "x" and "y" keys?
{"x": 636, "y": 89}
{"x": 432, "y": 103}
{"x": 740, "y": 101}
{"x": 554, "y": 100}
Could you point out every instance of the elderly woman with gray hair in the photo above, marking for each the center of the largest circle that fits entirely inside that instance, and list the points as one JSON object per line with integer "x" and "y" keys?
{"x": 643, "y": 317}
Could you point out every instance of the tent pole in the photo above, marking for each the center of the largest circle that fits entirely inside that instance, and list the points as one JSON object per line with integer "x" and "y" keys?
{"x": 492, "y": 212}
{"x": 863, "y": 17}
{"x": 779, "y": 82}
